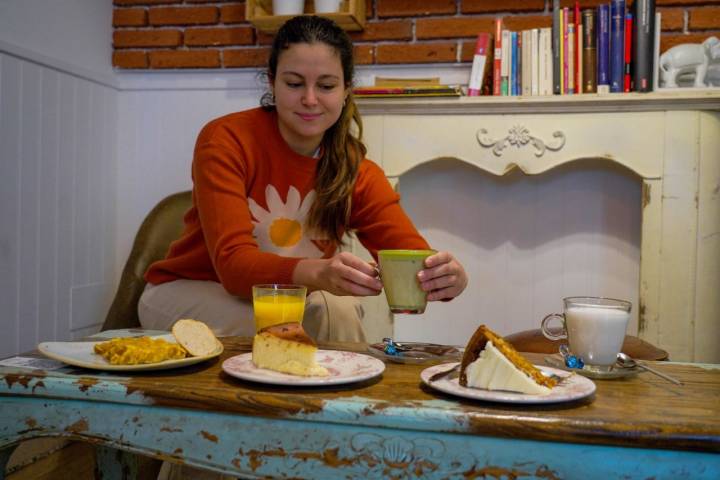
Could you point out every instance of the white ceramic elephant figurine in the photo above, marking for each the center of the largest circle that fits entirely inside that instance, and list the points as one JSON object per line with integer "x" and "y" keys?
{"x": 688, "y": 58}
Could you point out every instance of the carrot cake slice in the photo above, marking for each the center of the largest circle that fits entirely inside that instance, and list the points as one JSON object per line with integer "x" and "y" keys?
{"x": 491, "y": 363}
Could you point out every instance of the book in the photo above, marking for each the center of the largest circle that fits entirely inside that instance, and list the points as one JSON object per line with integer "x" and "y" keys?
{"x": 627, "y": 79}
{"x": 589, "y": 54}
{"x": 656, "y": 52}
{"x": 556, "y": 37}
{"x": 497, "y": 60}
{"x": 547, "y": 86}
{"x": 406, "y": 82}
{"x": 534, "y": 61}
{"x": 617, "y": 44}
{"x": 603, "y": 45}
{"x": 480, "y": 64}
{"x": 505, "y": 65}
{"x": 526, "y": 64}
{"x": 571, "y": 59}
{"x": 382, "y": 91}
{"x": 577, "y": 57}
{"x": 515, "y": 64}
{"x": 643, "y": 47}
{"x": 564, "y": 50}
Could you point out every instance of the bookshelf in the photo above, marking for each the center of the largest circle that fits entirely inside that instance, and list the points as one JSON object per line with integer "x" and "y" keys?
{"x": 351, "y": 16}
{"x": 706, "y": 99}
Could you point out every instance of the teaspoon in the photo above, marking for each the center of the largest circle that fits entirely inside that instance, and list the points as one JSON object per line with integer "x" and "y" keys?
{"x": 627, "y": 361}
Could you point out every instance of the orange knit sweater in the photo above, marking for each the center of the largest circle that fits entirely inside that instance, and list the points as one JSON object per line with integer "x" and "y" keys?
{"x": 251, "y": 194}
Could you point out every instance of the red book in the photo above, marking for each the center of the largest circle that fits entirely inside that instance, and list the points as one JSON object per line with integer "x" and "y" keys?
{"x": 578, "y": 52}
{"x": 497, "y": 59}
{"x": 627, "y": 82}
{"x": 480, "y": 60}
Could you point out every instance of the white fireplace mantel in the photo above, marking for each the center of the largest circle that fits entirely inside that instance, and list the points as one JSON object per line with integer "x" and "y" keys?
{"x": 671, "y": 140}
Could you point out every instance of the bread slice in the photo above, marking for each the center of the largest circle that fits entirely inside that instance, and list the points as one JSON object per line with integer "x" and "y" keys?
{"x": 196, "y": 337}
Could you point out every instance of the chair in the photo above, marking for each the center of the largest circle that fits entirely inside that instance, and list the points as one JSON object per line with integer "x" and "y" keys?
{"x": 534, "y": 341}
{"x": 162, "y": 225}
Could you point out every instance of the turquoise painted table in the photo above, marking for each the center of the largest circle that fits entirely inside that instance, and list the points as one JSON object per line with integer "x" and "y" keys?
{"x": 390, "y": 427}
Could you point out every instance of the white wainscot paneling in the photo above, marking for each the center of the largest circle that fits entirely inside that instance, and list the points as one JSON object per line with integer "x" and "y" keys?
{"x": 526, "y": 242}
{"x": 57, "y": 180}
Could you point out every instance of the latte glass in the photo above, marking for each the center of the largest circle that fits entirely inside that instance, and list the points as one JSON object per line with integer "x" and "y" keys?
{"x": 398, "y": 272}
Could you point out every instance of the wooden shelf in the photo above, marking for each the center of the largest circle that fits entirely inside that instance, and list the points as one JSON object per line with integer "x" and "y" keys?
{"x": 662, "y": 100}
{"x": 351, "y": 16}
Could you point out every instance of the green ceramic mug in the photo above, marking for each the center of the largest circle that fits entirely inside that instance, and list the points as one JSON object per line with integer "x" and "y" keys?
{"x": 398, "y": 271}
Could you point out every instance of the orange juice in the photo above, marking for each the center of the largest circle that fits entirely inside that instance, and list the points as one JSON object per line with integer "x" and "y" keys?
{"x": 274, "y": 309}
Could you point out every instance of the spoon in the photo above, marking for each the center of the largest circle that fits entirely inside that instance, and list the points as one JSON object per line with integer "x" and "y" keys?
{"x": 627, "y": 361}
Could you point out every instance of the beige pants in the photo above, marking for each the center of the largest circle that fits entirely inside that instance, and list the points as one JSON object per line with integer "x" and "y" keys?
{"x": 327, "y": 317}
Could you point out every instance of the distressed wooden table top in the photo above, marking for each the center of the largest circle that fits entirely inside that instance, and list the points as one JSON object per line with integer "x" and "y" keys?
{"x": 641, "y": 411}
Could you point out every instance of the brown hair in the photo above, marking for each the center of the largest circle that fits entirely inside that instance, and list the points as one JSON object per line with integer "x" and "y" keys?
{"x": 342, "y": 151}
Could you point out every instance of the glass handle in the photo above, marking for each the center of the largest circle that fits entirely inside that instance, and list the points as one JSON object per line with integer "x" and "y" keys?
{"x": 553, "y": 334}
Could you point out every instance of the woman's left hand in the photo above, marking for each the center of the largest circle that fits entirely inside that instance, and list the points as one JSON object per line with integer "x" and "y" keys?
{"x": 443, "y": 277}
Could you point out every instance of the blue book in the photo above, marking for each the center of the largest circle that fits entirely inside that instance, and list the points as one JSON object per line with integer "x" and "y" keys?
{"x": 617, "y": 45}
{"x": 603, "y": 45}
{"x": 515, "y": 64}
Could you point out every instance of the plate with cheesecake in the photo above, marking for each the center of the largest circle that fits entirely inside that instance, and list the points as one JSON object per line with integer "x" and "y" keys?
{"x": 492, "y": 370}
{"x": 286, "y": 355}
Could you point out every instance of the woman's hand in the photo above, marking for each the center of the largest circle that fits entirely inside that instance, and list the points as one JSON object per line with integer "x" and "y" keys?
{"x": 342, "y": 274}
{"x": 443, "y": 277}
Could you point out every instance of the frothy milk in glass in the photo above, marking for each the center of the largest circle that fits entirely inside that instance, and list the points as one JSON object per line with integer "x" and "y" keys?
{"x": 596, "y": 332}
{"x": 594, "y": 328}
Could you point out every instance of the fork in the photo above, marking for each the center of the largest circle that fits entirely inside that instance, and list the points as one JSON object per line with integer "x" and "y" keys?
{"x": 444, "y": 373}
{"x": 437, "y": 376}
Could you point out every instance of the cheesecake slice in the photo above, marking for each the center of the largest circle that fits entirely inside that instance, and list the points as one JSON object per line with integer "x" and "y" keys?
{"x": 287, "y": 348}
{"x": 491, "y": 363}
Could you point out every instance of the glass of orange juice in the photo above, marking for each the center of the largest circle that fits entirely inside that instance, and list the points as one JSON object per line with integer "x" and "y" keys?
{"x": 276, "y": 303}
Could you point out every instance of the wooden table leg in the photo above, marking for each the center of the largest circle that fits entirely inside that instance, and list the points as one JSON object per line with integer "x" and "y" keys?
{"x": 113, "y": 464}
{"x": 5, "y": 453}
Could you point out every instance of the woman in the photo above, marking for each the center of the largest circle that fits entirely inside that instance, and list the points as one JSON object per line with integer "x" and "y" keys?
{"x": 275, "y": 189}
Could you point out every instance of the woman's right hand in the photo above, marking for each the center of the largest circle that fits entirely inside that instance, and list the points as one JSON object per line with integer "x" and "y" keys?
{"x": 342, "y": 274}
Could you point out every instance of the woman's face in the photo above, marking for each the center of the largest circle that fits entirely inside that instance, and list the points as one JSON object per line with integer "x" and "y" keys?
{"x": 309, "y": 89}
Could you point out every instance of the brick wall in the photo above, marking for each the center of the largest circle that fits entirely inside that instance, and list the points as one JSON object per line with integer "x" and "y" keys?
{"x": 156, "y": 34}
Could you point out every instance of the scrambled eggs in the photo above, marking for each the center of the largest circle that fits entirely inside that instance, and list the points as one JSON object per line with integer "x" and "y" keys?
{"x": 132, "y": 351}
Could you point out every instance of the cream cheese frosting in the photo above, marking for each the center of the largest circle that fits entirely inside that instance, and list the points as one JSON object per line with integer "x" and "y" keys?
{"x": 493, "y": 371}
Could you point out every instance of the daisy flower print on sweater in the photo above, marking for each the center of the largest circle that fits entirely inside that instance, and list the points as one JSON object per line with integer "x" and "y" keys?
{"x": 281, "y": 228}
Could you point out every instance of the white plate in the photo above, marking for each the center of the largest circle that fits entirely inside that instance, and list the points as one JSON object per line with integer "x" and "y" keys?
{"x": 82, "y": 354}
{"x": 344, "y": 367}
{"x": 574, "y": 387}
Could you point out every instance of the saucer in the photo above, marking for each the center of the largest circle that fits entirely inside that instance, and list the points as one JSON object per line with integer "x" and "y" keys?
{"x": 616, "y": 372}
{"x": 416, "y": 352}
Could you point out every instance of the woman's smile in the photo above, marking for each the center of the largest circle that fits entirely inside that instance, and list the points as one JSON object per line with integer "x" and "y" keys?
{"x": 309, "y": 116}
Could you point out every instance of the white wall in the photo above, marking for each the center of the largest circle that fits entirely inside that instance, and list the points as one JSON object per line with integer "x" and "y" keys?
{"x": 75, "y": 33}
{"x": 58, "y": 118}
